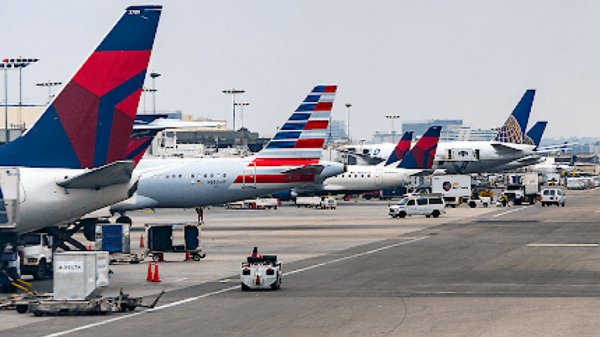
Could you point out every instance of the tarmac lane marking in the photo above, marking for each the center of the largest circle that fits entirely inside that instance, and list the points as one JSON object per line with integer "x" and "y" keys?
{"x": 224, "y": 290}
{"x": 588, "y": 245}
{"x": 510, "y": 211}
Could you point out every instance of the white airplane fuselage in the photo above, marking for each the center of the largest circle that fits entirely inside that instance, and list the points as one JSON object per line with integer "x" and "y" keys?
{"x": 363, "y": 178}
{"x": 463, "y": 156}
{"x": 33, "y": 200}
{"x": 188, "y": 183}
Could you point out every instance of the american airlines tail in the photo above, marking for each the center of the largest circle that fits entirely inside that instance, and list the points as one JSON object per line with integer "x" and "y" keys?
{"x": 422, "y": 154}
{"x": 534, "y": 135}
{"x": 298, "y": 143}
{"x": 513, "y": 130}
{"x": 90, "y": 122}
{"x": 401, "y": 148}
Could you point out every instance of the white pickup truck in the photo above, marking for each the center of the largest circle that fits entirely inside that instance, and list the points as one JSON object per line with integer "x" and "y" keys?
{"x": 37, "y": 255}
{"x": 317, "y": 202}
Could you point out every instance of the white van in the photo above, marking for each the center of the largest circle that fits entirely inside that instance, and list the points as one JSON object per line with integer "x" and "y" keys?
{"x": 427, "y": 205}
{"x": 553, "y": 196}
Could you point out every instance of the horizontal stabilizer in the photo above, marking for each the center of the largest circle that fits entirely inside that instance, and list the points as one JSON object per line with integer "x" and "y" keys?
{"x": 505, "y": 148}
{"x": 112, "y": 174}
{"x": 307, "y": 169}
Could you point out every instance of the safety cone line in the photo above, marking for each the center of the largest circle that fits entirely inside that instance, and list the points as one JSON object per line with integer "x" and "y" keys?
{"x": 156, "y": 277}
{"x": 149, "y": 276}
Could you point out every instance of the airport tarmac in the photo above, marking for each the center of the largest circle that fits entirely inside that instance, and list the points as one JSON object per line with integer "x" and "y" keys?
{"x": 355, "y": 272}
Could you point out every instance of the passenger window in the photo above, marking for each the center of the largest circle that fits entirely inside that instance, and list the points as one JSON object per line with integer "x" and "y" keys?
{"x": 218, "y": 175}
{"x": 410, "y": 203}
{"x": 180, "y": 176}
{"x": 224, "y": 175}
{"x": 421, "y": 202}
{"x": 205, "y": 175}
{"x": 212, "y": 175}
{"x": 192, "y": 175}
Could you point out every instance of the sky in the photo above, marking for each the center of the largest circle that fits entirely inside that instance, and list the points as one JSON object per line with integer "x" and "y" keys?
{"x": 420, "y": 59}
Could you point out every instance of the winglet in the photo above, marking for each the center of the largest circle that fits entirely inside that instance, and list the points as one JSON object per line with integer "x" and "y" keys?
{"x": 401, "y": 148}
{"x": 422, "y": 154}
{"x": 513, "y": 130}
{"x": 534, "y": 135}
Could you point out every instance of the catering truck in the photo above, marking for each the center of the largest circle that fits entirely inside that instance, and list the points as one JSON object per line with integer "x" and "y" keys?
{"x": 454, "y": 188}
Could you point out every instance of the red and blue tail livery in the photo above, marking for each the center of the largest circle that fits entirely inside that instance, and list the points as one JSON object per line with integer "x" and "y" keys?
{"x": 401, "y": 148}
{"x": 422, "y": 154}
{"x": 90, "y": 122}
{"x": 298, "y": 143}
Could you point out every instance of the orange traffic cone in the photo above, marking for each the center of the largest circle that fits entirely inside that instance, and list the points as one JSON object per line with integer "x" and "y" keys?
{"x": 156, "y": 277}
{"x": 149, "y": 277}
{"x": 89, "y": 246}
{"x": 187, "y": 256}
{"x": 142, "y": 241}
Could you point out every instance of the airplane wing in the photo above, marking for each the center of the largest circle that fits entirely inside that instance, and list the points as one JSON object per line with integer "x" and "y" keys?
{"x": 306, "y": 169}
{"x": 423, "y": 172}
{"x": 505, "y": 148}
{"x": 112, "y": 174}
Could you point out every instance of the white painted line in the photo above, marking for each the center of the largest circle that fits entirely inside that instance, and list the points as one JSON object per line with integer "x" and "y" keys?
{"x": 195, "y": 298}
{"x": 562, "y": 245}
{"x": 510, "y": 211}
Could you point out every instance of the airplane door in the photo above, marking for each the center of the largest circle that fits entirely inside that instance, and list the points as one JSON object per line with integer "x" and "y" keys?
{"x": 10, "y": 190}
{"x": 378, "y": 176}
{"x": 249, "y": 176}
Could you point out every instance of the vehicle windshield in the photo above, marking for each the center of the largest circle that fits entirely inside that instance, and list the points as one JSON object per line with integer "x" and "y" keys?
{"x": 403, "y": 202}
{"x": 30, "y": 240}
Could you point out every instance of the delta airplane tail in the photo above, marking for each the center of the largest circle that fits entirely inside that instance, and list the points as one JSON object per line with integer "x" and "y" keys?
{"x": 401, "y": 148}
{"x": 293, "y": 154}
{"x": 513, "y": 130}
{"x": 89, "y": 124}
{"x": 422, "y": 154}
{"x": 534, "y": 135}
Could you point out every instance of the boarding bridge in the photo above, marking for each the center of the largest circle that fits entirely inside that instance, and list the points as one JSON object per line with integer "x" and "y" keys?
{"x": 461, "y": 155}
{"x": 9, "y": 196}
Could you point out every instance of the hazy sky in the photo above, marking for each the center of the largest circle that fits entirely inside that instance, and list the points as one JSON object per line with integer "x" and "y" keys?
{"x": 420, "y": 59}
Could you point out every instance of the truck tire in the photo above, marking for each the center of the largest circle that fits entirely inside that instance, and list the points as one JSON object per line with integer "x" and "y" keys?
{"x": 196, "y": 257}
{"x": 485, "y": 205}
{"x": 402, "y": 215}
{"x": 472, "y": 204}
{"x": 42, "y": 270}
{"x": 22, "y": 308}
{"x": 435, "y": 213}
{"x": 543, "y": 204}
{"x": 245, "y": 287}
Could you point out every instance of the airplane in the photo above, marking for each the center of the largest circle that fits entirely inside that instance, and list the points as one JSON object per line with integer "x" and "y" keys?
{"x": 460, "y": 157}
{"x": 365, "y": 178}
{"x": 533, "y": 137}
{"x": 291, "y": 158}
{"x": 71, "y": 161}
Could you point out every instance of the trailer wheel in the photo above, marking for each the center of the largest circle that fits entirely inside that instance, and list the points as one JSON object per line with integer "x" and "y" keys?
{"x": 38, "y": 313}
{"x": 22, "y": 308}
{"x": 245, "y": 287}
{"x": 156, "y": 257}
{"x": 196, "y": 257}
{"x": 485, "y": 205}
{"x": 472, "y": 204}
{"x": 543, "y": 204}
{"x": 275, "y": 286}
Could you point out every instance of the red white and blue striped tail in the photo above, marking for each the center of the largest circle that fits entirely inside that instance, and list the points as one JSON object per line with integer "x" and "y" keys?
{"x": 297, "y": 144}
{"x": 301, "y": 138}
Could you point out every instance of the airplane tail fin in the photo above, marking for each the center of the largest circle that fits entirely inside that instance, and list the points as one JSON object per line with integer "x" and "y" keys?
{"x": 534, "y": 135}
{"x": 422, "y": 154}
{"x": 89, "y": 123}
{"x": 300, "y": 140}
{"x": 401, "y": 148}
{"x": 513, "y": 130}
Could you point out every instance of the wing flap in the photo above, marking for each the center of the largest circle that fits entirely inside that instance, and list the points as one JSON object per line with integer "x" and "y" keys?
{"x": 306, "y": 169}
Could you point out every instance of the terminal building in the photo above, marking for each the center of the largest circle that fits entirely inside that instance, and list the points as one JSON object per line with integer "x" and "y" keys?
{"x": 452, "y": 130}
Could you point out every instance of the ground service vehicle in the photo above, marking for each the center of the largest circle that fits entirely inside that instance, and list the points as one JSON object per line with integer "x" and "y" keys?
{"x": 552, "y": 196}
{"x": 261, "y": 273}
{"x": 454, "y": 188}
{"x": 37, "y": 255}
{"x": 428, "y": 205}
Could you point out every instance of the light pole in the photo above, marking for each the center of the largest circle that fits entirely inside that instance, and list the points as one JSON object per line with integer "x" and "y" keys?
{"x": 154, "y": 76}
{"x": 233, "y": 92}
{"x": 348, "y": 106}
{"x": 49, "y": 85}
{"x": 14, "y": 63}
{"x": 242, "y": 104}
{"x": 393, "y": 119}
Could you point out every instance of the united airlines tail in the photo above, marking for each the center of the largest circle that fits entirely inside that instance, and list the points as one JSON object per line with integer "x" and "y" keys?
{"x": 534, "y": 135}
{"x": 90, "y": 122}
{"x": 422, "y": 154}
{"x": 401, "y": 148}
{"x": 298, "y": 143}
{"x": 513, "y": 130}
